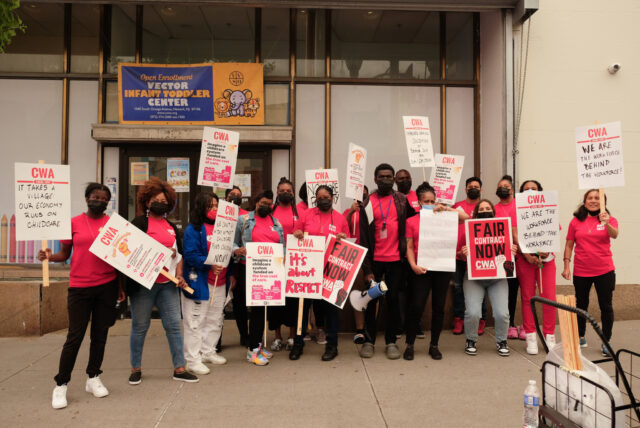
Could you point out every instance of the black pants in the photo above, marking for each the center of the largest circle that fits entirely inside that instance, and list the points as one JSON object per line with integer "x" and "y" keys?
{"x": 318, "y": 312}
{"x": 437, "y": 283}
{"x": 286, "y": 315}
{"x": 239, "y": 302}
{"x": 605, "y": 284}
{"x": 256, "y": 326}
{"x": 392, "y": 274}
{"x": 514, "y": 284}
{"x": 97, "y": 304}
{"x": 299, "y": 338}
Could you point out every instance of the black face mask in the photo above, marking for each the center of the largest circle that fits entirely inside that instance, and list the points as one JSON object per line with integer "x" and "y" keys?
{"x": 263, "y": 210}
{"x": 324, "y": 204}
{"x": 404, "y": 186}
{"x": 96, "y": 206}
{"x": 486, "y": 214}
{"x": 473, "y": 193}
{"x": 236, "y": 200}
{"x": 285, "y": 197}
{"x": 159, "y": 208}
{"x": 594, "y": 213}
{"x": 385, "y": 185}
{"x": 503, "y": 192}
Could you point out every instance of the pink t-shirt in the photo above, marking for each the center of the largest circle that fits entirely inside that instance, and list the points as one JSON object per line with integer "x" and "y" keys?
{"x": 592, "y": 246}
{"x": 87, "y": 270}
{"x": 161, "y": 231}
{"x": 222, "y": 276}
{"x": 318, "y": 223}
{"x": 286, "y": 218}
{"x": 242, "y": 212}
{"x": 468, "y": 208}
{"x": 412, "y": 197}
{"x": 413, "y": 232}
{"x": 264, "y": 230}
{"x": 301, "y": 208}
{"x": 386, "y": 248}
{"x": 507, "y": 210}
{"x": 354, "y": 231}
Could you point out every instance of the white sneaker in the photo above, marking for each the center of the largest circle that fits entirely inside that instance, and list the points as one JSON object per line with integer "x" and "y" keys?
{"x": 289, "y": 346}
{"x": 214, "y": 358}
{"x": 94, "y": 386}
{"x": 321, "y": 338}
{"x": 276, "y": 345}
{"x": 551, "y": 340}
{"x": 532, "y": 344}
{"x": 59, "y": 399}
{"x": 198, "y": 368}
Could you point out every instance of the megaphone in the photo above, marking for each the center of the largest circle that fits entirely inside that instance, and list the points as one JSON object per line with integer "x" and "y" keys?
{"x": 360, "y": 299}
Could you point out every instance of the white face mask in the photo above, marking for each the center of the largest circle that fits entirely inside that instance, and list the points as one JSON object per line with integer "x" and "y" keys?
{"x": 427, "y": 207}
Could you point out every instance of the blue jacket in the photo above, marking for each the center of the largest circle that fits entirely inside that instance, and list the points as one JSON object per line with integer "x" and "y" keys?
{"x": 194, "y": 271}
{"x": 245, "y": 227}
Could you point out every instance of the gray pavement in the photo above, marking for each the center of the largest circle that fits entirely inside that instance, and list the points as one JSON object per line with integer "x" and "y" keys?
{"x": 460, "y": 390}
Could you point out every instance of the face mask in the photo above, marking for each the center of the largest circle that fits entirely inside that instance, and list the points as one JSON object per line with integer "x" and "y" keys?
{"x": 96, "y": 206}
{"x": 594, "y": 213}
{"x": 159, "y": 208}
{"x": 427, "y": 207}
{"x": 503, "y": 192}
{"x": 236, "y": 200}
{"x": 385, "y": 185}
{"x": 285, "y": 197}
{"x": 473, "y": 193}
{"x": 263, "y": 210}
{"x": 486, "y": 214}
{"x": 211, "y": 215}
{"x": 404, "y": 186}
{"x": 324, "y": 204}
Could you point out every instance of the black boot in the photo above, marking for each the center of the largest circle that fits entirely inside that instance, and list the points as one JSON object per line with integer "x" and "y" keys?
{"x": 408, "y": 353}
{"x": 295, "y": 352}
{"x": 435, "y": 352}
{"x": 330, "y": 352}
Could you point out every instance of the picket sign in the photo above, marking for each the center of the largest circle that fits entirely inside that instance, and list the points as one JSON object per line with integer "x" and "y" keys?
{"x": 301, "y": 306}
{"x": 45, "y": 262}
{"x": 601, "y": 190}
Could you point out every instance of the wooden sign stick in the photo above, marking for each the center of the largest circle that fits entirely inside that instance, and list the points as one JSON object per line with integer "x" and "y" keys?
{"x": 173, "y": 279}
{"x": 301, "y": 306}
{"x": 215, "y": 286}
{"x": 601, "y": 190}
{"x": 45, "y": 262}
{"x": 264, "y": 336}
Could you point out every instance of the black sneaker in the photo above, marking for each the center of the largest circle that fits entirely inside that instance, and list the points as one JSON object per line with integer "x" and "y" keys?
{"x": 185, "y": 376}
{"x": 295, "y": 352}
{"x": 470, "y": 348}
{"x": 503, "y": 349}
{"x": 330, "y": 352}
{"x": 408, "y": 353}
{"x": 435, "y": 352}
{"x": 420, "y": 335}
{"x": 135, "y": 377}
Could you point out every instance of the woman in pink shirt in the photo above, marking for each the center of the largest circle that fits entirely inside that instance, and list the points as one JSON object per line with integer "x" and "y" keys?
{"x": 93, "y": 292}
{"x": 506, "y": 207}
{"x": 590, "y": 233}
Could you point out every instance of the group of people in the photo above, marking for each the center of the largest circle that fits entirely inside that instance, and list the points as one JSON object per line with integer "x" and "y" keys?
{"x": 386, "y": 222}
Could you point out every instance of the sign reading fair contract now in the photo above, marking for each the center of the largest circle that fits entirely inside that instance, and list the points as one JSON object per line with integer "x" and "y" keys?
{"x": 489, "y": 243}
{"x": 342, "y": 261}
{"x": 43, "y": 202}
{"x": 131, "y": 251}
{"x": 218, "y": 155}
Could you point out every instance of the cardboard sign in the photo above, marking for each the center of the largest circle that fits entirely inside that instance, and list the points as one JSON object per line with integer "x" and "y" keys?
{"x": 356, "y": 165}
{"x": 599, "y": 156}
{"x": 218, "y": 156}
{"x": 317, "y": 177}
{"x": 342, "y": 261}
{"x": 438, "y": 240}
{"x": 265, "y": 274}
{"x": 43, "y": 201}
{"x": 224, "y": 231}
{"x": 131, "y": 251}
{"x": 243, "y": 181}
{"x": 178, "y": 174}
{"x": 489, "y": 243}
{"x": 538, "y": 221}
{"x": 305, "y": 258}
{"x": 239, "y": 93}
{"x": 418, "y": 137}
{"x": 445, "y": 177}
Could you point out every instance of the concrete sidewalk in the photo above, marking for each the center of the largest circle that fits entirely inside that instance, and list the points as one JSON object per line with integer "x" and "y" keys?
{"x": 460, "y": 390}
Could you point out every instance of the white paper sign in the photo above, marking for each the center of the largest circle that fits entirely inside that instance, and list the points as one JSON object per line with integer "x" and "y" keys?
{"x": 538, "y": 221}
{"x": 265, "y": 274}
{"x": 418, "y": 137}
{"x": 243, "y": 181}
{"x": 317, "y": 177}
{"x": 43, "y": 201}
{"x": 223, "y": 233}
{"x": 218, "y": 155}
{"x": 131, "y": 251}
{"x": 445, "y": 177}
{"x": 305, "y": 260}
{"x": 356, "y": 166}
{"x": 599, "y": 156}
{"x": 437, "y": 241}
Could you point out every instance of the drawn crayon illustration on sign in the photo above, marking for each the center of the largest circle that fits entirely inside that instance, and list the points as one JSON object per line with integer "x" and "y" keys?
{"x": 238, "y": 93}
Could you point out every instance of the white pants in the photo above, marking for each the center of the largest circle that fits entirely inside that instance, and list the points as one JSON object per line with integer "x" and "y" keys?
{"x": 202, "y": 324}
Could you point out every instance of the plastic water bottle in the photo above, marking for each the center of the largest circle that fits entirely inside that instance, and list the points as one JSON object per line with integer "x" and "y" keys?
{"x": 531, "y": 405}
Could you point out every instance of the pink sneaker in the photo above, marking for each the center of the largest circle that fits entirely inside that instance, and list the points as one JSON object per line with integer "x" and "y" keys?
{"x": 512, "y": 333}
{"x": 481, "y": 326}
{"x": 458, "y": 325}
{"x": 522, "y": 335}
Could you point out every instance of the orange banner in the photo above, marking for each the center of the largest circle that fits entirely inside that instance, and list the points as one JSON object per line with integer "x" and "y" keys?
{"x": 238, "y": 94}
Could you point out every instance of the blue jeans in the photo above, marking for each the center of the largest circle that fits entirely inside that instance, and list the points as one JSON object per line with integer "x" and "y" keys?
{"x": 166, "y": 297}
{"x": 458, "y": 292}
{"x": 474, "y": 293}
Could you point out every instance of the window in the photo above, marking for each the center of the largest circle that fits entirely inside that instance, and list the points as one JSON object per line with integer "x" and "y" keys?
{"x": 275, "y": 41}
{"x": 276, "y": 98}
{"x": 122, "y": 46}
{"x": 459, "y": 46}
{"x": 310, "y": 42}
{"x": 85, "y": 45}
